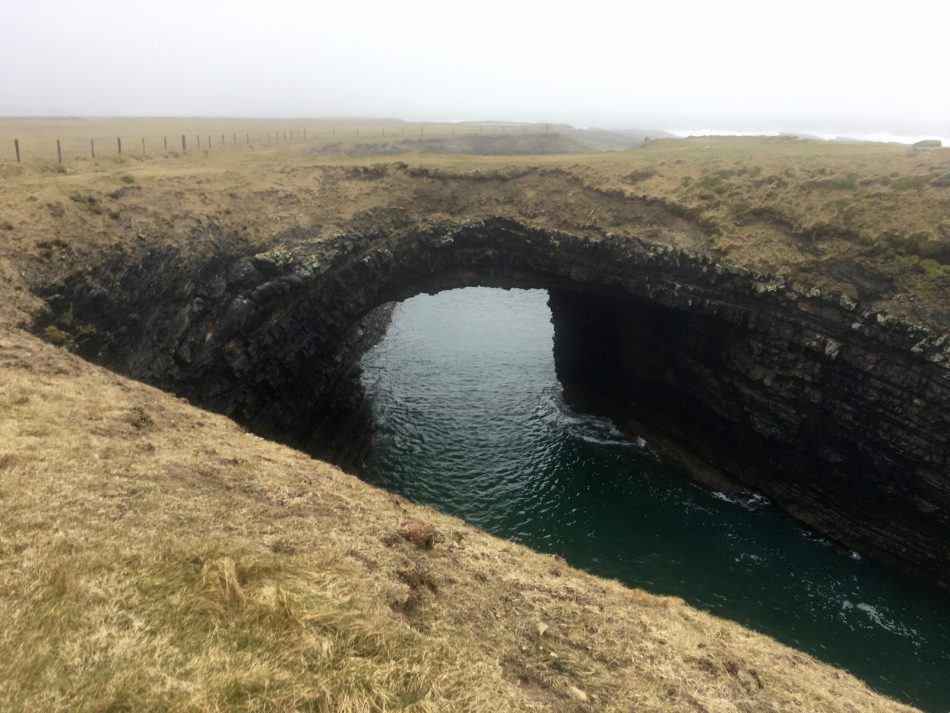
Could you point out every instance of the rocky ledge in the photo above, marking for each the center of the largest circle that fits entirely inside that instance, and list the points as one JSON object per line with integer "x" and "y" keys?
{"x": 838, "y": 413}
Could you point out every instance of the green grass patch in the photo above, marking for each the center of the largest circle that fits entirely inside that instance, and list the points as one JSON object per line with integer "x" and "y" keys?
{"x": 718, "y": 181}
{"x": 927, "y": 269}
{"x": 67, "y": 318}
{"x": 55, "y": 336}
{"x": 640, "y": 175}
{"x": 90, "y": 204}
{"x": 908, "y": 183}
{"x": 836, "y": 183}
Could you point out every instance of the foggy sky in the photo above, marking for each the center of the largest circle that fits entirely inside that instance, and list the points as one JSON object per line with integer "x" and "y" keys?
{"x": 831, "y": 65}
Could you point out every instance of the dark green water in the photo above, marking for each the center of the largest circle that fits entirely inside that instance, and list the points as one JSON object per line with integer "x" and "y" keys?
{"x": 470, "y": 420}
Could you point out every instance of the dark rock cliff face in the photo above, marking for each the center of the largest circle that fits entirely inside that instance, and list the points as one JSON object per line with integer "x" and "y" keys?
{"x": 840, "y": 414}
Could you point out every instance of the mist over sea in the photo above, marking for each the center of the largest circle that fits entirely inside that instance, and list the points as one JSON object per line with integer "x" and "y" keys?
{"x": 880, "y": 136}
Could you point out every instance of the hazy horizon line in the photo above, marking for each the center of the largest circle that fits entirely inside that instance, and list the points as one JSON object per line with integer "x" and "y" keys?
{"x": 824, "y": 134}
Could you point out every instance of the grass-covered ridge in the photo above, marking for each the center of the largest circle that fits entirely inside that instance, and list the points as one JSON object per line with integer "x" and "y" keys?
{"x": 155, "y": 557}
{"x": 846, "y": 216}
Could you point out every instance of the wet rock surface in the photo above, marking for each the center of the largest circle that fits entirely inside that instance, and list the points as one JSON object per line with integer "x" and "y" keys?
{"x": 839, "y": 413}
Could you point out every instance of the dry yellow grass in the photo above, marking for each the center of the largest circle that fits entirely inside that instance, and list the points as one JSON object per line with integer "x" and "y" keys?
{"x": 38, "y": 136}
{"x": 156, "y": 557}
{"x": 866, "y": 219}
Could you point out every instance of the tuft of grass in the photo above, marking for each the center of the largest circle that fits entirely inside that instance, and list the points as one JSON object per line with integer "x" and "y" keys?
{"x": 908, "y": 183}
{"x": 641, "y": 174}
{"x": 419, "y": 533}
{"x": 838, "y": 183}
{"x": 90, "y": 204}
{"x": 67, "y": 318}
{"x": 927, "y": 269}
{"x": 713, "y": 182}
{"x": 55, "y": 336}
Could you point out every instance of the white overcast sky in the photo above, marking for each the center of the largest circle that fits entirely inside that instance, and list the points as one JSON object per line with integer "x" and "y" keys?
{"x": 831, "y": 65}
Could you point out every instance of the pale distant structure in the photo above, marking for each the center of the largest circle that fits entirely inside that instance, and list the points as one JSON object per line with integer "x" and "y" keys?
{"x": 926, "y": 146}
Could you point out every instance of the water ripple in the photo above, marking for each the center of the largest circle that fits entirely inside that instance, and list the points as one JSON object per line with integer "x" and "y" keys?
{"x": 471, "y": 420}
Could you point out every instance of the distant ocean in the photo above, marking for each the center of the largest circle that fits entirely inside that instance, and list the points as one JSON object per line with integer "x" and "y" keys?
{"x": 826, "y": 135}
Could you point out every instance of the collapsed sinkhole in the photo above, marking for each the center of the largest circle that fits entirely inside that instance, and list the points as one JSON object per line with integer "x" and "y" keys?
{"x": 837, "y": 413}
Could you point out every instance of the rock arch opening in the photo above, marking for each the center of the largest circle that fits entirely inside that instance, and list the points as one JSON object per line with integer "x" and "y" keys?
{"x": 736, "y": 375}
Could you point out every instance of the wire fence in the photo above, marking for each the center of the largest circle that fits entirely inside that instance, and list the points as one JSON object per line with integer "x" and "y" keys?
{"x": 71, "y": 147}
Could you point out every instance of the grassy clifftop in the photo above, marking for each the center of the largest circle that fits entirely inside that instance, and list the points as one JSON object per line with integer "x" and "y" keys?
{"x": 869, "y": 220}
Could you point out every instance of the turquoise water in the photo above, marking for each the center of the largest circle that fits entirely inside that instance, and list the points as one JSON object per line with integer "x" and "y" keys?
{"x": 470, "y": 419}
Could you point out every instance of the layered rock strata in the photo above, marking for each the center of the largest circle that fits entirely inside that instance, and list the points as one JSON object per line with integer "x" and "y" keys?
{"x": 838, "y": 413}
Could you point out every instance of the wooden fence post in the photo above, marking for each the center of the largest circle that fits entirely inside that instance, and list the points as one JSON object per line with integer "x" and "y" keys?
{"x": 92, "y": 148}
{"x": 209, "y": 141}
{"x": 143, "y": 145}
{"x": 198, "y": 141}
{"x": 183, "y": 147}
{"x": 247, "y": 139}
{"x": 234, "y": 139}
{"x": 118, "y": 142}
{"x": 304, "y": 134}
{"x": 16, "y": 145}
{"x": 165, "y": 140}
{"x": 222, "y": 139}
{"x": 59, "y": 152}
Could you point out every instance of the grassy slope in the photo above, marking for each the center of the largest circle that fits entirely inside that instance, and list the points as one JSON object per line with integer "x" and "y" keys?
{"x": 155, "y": 556}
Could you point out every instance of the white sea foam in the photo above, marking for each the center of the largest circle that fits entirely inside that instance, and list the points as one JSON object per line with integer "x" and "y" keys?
{"x": 749, "y": 501}
{"x": 880, "y": 620}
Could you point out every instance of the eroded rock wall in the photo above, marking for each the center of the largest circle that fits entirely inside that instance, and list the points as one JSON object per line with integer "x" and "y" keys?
{"x": 848, "y": 435}
{"x": 839, "y": 413}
